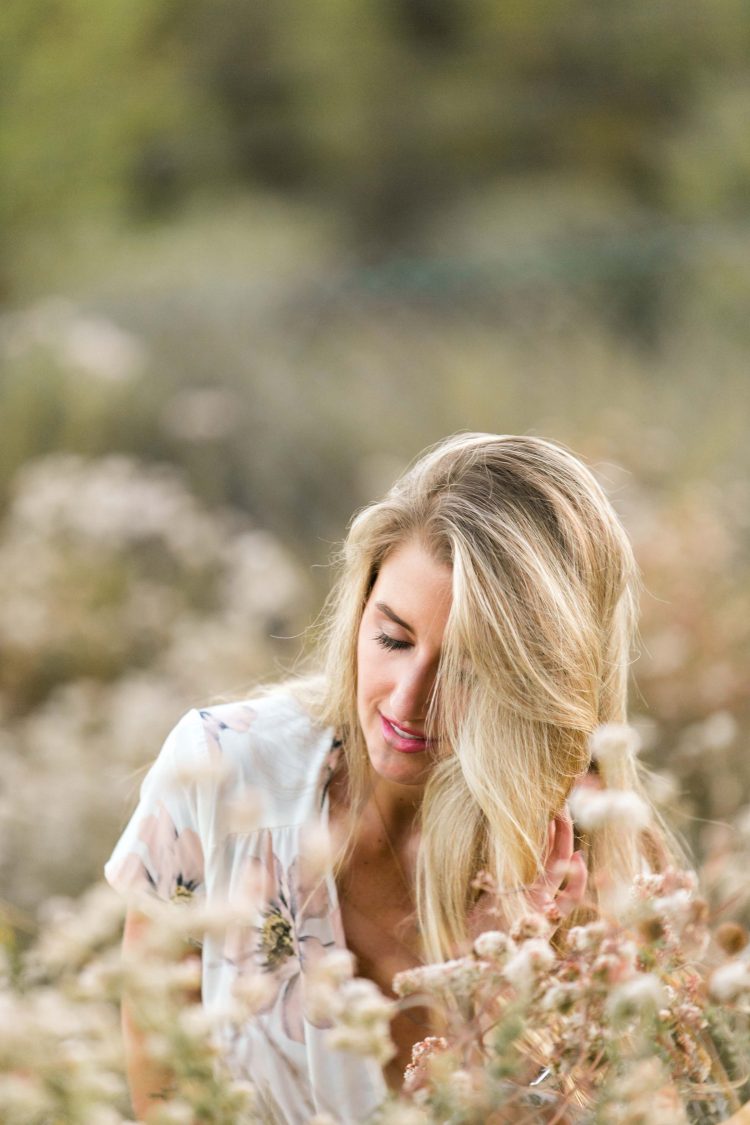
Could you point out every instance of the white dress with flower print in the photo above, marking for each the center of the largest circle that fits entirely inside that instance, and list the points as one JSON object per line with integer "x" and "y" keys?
{"x": 181, "y": 841}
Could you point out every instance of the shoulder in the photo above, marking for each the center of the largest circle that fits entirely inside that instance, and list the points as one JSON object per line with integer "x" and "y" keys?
{"x": 268, "y": 743}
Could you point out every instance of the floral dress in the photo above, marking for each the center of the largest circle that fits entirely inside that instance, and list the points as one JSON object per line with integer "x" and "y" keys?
{"x": 186, "y": 839}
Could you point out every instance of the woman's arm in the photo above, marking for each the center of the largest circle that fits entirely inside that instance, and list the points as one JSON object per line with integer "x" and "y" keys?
{"x": 149, "y": 1081}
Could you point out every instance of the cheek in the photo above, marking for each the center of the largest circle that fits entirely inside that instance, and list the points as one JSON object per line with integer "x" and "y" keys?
{"x": 370, "y": 678}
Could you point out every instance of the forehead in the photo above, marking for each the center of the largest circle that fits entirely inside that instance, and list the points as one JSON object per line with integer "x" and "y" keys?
{"x": 415, "y": 585}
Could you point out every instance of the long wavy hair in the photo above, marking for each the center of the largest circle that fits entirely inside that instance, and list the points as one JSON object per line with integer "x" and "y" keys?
{"x": 543, "y": 615}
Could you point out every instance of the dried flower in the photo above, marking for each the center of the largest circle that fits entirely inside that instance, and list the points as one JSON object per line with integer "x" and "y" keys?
{"x": 731, "y": 938}
{"x": 535, "y": 925}
{"x": 415, "y": 1074}
{"x": 457, "y": 977}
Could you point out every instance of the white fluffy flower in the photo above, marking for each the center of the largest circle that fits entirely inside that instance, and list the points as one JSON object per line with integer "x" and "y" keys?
{"x": 663, "y": 787}
{"x": 363, "y": 1016}
{"x": 398, "y": 1113}
{"x": 642, "y": 993}
{"x": 176, "y": 1113}
{"x": 595, "y": 808}
{"x": 23, "y": 1098}
{"x": 323, "y": 1002}
{"x": 159, "y": 1047}
{"x": 334, "y": 967}
{"x": 461, "y": 1084}
{"x": 529, "y": 961}
{"x": 645, "y": 1092}
{"x": 584, "y": 938}
{"x": 364, "y": 1003}
{"x": 315, "y": 855}
{"x": 325, "y": 996}
{"x": 719, "y": 730}
{"x": 613, "y": 743}
{"x": 730, "y": 981}
{"x": 245, "y": 1094}
{"x": 184, "y": 974}
{"x": 199, "y": 1023}
{"x": 675, "y": 907}
{"x": 372, "y": 1042}
{"x": 492, "y": 945}
{"x": 561, "y": 997}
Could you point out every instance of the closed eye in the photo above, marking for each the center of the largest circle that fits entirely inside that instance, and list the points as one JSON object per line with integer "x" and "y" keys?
{"x": 391, "y": 643}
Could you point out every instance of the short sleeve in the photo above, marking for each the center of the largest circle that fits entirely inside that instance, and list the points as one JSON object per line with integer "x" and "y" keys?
{"x": 162, "y": 850}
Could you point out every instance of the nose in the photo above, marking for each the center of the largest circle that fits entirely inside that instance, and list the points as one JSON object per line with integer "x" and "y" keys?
{"x": 412, "y": 694}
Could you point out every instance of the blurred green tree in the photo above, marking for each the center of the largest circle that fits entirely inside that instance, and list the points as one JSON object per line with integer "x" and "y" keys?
{"x": 395, "y": 105}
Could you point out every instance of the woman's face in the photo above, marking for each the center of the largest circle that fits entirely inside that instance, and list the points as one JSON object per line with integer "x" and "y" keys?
{"x": 398, "y": 652}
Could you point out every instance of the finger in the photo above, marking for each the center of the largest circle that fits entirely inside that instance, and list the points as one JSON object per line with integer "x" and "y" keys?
{"x": 558, "y": 858}
{"x": 575, "y": 884}
{"x": 563, "y": 835}
{"x": 551, "y": 837}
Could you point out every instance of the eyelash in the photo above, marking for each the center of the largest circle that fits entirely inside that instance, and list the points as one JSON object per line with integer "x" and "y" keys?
{"x": 390, "y": 643}
{"x": 393, "y": 645}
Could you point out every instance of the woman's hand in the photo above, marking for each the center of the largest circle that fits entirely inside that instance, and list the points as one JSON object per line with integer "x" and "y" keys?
{"x": 563, "y": 882}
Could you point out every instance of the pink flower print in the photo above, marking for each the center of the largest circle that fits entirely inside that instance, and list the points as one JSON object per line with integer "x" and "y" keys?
{"x": 282, "y": 942}
{"x": 175, "y": 860}
{"x": 237, "y": 717}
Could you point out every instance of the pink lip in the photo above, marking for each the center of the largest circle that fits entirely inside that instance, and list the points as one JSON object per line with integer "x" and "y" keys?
{"x": 404, "y": 745}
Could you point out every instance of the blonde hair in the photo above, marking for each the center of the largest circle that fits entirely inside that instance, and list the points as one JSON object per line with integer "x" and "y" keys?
{"x": 543, "y": 613}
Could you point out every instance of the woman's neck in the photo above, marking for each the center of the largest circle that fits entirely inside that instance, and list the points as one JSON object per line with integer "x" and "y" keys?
{"x": 388, "y": 820}
{"x": 398, "y": 808}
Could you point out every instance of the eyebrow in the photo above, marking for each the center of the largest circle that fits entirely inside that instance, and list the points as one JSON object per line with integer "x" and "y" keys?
{"x": 394, "y": 617}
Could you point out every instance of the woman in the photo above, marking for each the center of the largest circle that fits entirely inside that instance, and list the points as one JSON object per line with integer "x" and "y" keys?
{"x": 480, "y": 630}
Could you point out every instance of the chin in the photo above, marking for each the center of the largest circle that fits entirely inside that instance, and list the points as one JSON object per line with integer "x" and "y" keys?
{"x": 397, "y": 768}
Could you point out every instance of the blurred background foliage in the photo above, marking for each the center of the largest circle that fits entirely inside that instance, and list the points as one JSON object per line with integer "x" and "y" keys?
{"x": 255, "y": 256}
